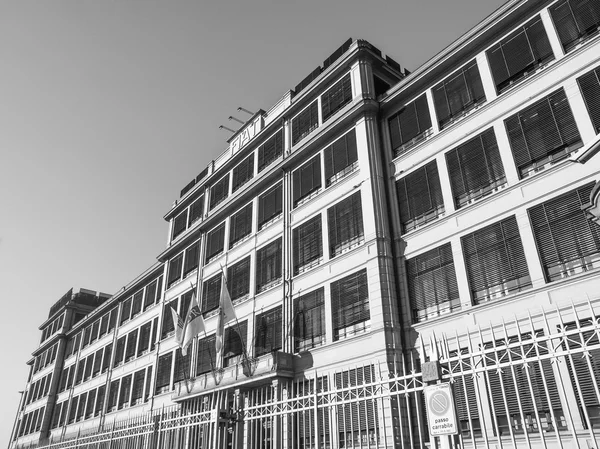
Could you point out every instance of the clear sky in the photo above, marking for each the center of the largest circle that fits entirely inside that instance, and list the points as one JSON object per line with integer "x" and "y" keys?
{"x": 108, "y": 108}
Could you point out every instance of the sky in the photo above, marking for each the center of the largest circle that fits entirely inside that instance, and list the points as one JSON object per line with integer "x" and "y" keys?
{"x": 109, "y": 108}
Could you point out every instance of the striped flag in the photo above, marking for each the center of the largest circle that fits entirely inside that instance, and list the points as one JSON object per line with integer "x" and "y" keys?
{"x": 193, "y": 325}
{"x": 178, "y": 323}
{"x": 226, "y": 314}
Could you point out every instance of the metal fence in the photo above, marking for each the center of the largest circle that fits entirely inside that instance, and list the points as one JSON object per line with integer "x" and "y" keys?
{"x": 531, "y": 382}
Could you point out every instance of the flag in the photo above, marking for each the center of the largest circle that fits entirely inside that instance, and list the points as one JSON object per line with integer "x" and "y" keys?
{"x": 193, "y": 324}
{"x": 226, "y": 314}
{"x": 178, "y": 323}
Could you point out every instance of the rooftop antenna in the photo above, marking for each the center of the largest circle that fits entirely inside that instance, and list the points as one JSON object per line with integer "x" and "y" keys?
{"x": 228, "y": 129}
{"x": 231, "y": 117}
{"x": 245, "y": 110}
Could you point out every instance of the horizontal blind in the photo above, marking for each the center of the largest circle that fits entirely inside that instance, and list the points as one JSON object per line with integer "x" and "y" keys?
{"x": 567, "y": 241}
{"x": 179, "y": 224}
{"x": 519, "y": 54}
{"x": 219, "y": 191}
{"x": 163, "y": 370}
{"x": 336, "y": 97}
{"x": 270, "y": 150}
{"x": 542, "y": 132}
{"x": 308, "y": 244}
{"x": 305, "y": 122}
{"x": 432, "y": 282}
{"x": 192, "y": 257}
{"x": 205, "y": 361}
{"x": 420, "y": 196}
{"x": 345, "y": 224}
{"x": 211, "y": 293}
{"x": 196, "y": 210}
{"x": 360, "y": 417}
{"x": 270, "y": 204}
{"x": 339, "y": 156}
{"x": 575, "y": 20}
{"x": 475, "y": 168}
{"x": 349, "y": 301}
{"x": 309, "y": 320}
{"x": 495, "y": 260}
{"x": 268, "y": 265}
{"x": 269, "y": 333}
{"x": 306, "y": 179}
{"x": 409, "y": 123}
{"x": 590, "y": 89}
{"x": 215, "y": 241}
{"x": 242, "y": 173}
{"x": 175, "y": 266}
{"x": 240, "y": 224}
{"x": 238, "y": 279}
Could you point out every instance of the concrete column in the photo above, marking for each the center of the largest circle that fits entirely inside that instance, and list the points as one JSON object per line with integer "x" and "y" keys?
{"x": 487, "y": 80}
{"x": 531, "y": 254}
{"x": 460, "y": 268}
{"x": 445, "y": 184}
{"x": 557, "y": 48}
{"x": 434, "y": 122}
{"x": 580, "y": 111}
{"x": 508, "y": 161}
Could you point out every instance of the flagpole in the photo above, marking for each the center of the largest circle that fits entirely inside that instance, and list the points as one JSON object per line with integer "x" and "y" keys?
{"x": 245, "y": 353}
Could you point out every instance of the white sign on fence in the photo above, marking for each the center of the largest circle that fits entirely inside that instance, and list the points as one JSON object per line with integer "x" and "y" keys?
{"x": 441, "y": 415}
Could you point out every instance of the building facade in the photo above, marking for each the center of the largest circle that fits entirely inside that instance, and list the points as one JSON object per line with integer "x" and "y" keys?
{"x": 372, "y": 220}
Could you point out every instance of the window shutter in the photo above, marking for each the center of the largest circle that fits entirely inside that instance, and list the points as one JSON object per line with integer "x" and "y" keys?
{"x": 215, "y": 241}
{"x": 590, "y": 89}
{"x": 568, "y": 242}
{"x": 270, "y": 204}
{"x": 219, "y": 191}
{"x": 420, "y": 197}
{"x": 175, "y": 266}
{"x": 238, "y": 279}
{"x": 306, "y": 179}
{"x": 196, "y": 210}
{"x": 432, "y": 283}
{"x": 308, "y": 244}
{"x": 495, "y": 261}
{"x": 336, "y": 97}
{"x": 345, "y": 224}
{"x": 163, "y": 371}
{"x": 206, "y": 355}
{"x": 269, "y": 332}
{"x": 475, "y": 168}
{"x": 240, "y": 225}
{"x": 575, "y": 20}
{"x": 341, "y": 157}
{"x": 144, "y": 343}
{"x": 410, "y": 122}
{"x": 305, "y": 122}
{"x": 242, "y": 173}
{"x": 309, "y": 320}
{"x": 192, "y": 256}
{"x": 350, "y": 303}
{"x": 211, "y": 293}
{"x": 358, "y": 418}
{"x": 268, "y": 265}
{"x": 270, "y": 150}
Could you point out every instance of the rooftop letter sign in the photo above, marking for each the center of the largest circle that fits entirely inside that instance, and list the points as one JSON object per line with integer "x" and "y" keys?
{"x": 246, "y": 134}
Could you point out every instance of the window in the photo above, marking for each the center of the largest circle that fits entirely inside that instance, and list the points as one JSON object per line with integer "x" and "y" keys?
{"x": 131, "y": 345}
{"x": 150, "y": 295}
{"x": 420, "y": 197}
{"x": 184, "y": 303}
{"x": 125, "y": 391}
{"x": 270, "y": 150}
{"x": 168, "y": 327}
{"x": 179, "y": 224}
{"x": 309, "y": 320}
{"x": 136, "y": 305}
{"x": 242, "y": 173}
{"x": 148, "y": 383}
{"x": 305, "y": 123}
{"x": 175, "y": 266}
{"x": 87, "y": 335}
{"x": 211, "y": 293}
{"x": 89, "y": 408}
{"x": 100, "y": 400}
{"x": 235, "y": 343}
{"x": 192, "y": 257}
{"x": 590, "y": 89}
{"x": 95, "y": 328}
{"x": 182, "y": 366}
{"x": 575, "y": 21}
{"x": 307, "y": 180}
{"x": 219, "y": 191}
{"x": 410, "y": 125}
{"x": 457, "y": 94}
{"x": 206, "y": 355}
{"x": 240, "y": 225}
{"x": 336, "y": 97}
{"x": 163, "y": 373}
{"x": 475, "y": 169}
{"x": 341, "y": 158}
{"x": 144, "y": 343}
{"x": 345, "y": 224}
{"x": 268, "y": 332}
{"x": 238, "y": 279}
{"x": 495, "y": 261}
{"x": 106, "y": 357}
{"x": 80, "y": 369}
{"x": 112, "y": 321}
{"x": 350, "y": 305}
{"x": 568, "y": 242}
{"x": 270, "y": 205}
{"x": 97, "y": 362}
{"x": 120, "y": 351}
{"x": 89, "y": 364}
{"x": 153, "y": 334}
{"x": 519, "y": 54}
{"x": 196, "y": 210}
{"x": 137, "y": 389}
{"x": 308, "y": 245}
{"x": 81, "y": 406}
{"x": 71, "y": 376}
{"x": 268, "y": 266}
{"x": 215, "y": 241}
{"x": 113, "y": 395}
{"x": 432, "y": 283}
{"x": 543, "y": 133}
{"x": 125, "y": 311}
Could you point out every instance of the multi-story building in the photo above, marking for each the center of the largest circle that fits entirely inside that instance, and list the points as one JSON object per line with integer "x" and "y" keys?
{"x": 371, "y": 219}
